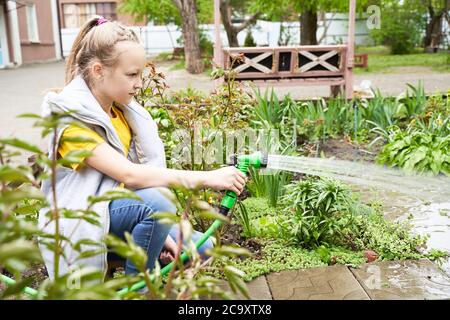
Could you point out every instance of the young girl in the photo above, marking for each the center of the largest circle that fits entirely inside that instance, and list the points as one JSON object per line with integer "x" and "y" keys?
{"x": 103, "y": 73}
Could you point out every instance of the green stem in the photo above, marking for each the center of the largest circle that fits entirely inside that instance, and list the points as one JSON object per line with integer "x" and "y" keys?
{"x": 55, "y": 213}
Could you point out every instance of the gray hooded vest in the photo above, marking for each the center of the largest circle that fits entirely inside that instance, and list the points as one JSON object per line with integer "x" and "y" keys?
{"x": 73, "y": 187}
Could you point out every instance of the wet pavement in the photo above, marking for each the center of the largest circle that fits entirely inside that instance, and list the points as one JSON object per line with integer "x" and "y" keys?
{"x": 382, "y": 280}
{"x": 386, "y": 280}
{"x": 429, "y": 217}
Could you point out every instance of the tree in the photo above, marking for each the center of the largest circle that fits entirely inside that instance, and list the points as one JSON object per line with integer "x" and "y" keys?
{"x": 183, "y": 13}
{"x": 227, "y": 8}
{"x": 189, "y": 28}
{"x": 307, "y": 12}
{"x": 308, "y": 23}
{"x": 402, "y": 25}
{"x": 437, "y": 11}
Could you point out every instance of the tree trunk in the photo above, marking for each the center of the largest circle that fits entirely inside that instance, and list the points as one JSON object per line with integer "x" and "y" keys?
{"x": 308, "y": 27}
{"x": 232, "y": 31}
{"x": 189, "y": 26}
{"x": 225, "y": 14}
{"x": 433, "y": 31}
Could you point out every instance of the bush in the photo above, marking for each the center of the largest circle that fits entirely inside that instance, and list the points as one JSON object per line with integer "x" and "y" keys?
{"x": 206, "y": 46}
{"x": 401, "y": 28}
{"x": 424, "y": 147}
{"x": 317, "y": 212}
{"x": 249, "y": 41}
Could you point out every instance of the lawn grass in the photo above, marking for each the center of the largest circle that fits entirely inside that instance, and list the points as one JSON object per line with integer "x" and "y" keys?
{"x": 381, "y": 61}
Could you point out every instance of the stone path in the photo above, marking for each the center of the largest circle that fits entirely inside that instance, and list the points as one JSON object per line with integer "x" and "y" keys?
{"x": 386, "y": 280}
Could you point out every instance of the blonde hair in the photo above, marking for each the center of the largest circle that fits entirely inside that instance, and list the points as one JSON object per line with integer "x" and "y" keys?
{"x": 96, "y": 41}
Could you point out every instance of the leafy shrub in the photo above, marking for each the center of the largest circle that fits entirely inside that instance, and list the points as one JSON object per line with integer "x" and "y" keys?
{"x": 323, "y": 119}
{"x": 317, "y": 211}
{"x": 249, "y": 41}
{"x": 423, "y": 147}
{"x": 257, "y": 218}
{"x": 401, "y": 28}
{"x": 21, "y": 199}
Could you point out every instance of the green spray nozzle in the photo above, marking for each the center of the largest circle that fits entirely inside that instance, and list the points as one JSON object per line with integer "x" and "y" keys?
{"x": 256, "y": 160}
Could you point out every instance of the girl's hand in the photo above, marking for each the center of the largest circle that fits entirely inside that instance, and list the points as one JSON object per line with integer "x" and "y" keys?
{"x": 227, "y": 178}
{"x": 169, "y": 251}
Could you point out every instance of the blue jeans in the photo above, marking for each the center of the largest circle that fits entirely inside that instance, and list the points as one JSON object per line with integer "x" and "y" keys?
{"x": 135, "y": 217}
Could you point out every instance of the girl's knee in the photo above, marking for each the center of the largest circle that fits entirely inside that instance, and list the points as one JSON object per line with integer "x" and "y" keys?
{"x": 205, "y": 246}
{"x": 166, "y": 206}
{"x": 156, "y": 201}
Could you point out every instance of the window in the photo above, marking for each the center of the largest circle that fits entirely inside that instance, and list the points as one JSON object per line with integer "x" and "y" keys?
{"x": 107, "y": 10}
{"x": 33, "y": 33}
{"x": 75, "y": 15}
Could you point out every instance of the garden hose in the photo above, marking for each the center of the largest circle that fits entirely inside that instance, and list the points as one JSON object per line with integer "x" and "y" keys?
{"x": 242, "y": 162}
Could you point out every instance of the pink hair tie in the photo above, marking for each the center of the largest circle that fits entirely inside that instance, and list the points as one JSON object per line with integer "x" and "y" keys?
{"x": 101, "y": 20}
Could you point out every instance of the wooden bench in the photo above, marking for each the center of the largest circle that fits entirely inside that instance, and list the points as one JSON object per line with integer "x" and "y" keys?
{"x": 301, "y": 65}
{"x": 361, "y": 60}
{"x": 326, "y": 65}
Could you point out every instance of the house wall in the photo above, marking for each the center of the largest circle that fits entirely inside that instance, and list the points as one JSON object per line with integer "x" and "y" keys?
{"x": 8, "y": 35}
{"x": 123, "y": 18}
{"x": 44, "y": 49}
{"x": 6, "y": 42}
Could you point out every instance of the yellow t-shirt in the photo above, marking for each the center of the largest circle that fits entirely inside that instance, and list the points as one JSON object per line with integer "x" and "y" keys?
{"x": 120, "y": 125}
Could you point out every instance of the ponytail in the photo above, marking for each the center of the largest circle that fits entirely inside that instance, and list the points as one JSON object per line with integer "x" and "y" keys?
{"x": 71, "y": 66}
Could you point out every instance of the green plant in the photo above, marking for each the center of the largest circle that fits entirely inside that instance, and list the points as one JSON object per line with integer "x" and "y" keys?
{"x": 379, "y": 112}
{"x": 249, "y": 41}
{"x": 390, "y": 240}
{"x": 317, "y": 212}
{"x": 436, "y": 104}
{"x": 421, "y": 148}
{"x": 153, "y": 87}
{"x": 257, "y": 218}
{"x": 413, "y": 101}
{"x": 206, "y": 46}
{"x": 268, "y": 109}
{"x": 20, "y": 194}
{"x": 401, "y": 27}
{"x": 268, "y": 184}
{"x": 320, "y": 120}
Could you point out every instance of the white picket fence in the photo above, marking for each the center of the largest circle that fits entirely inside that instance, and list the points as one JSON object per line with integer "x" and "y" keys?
{"x": 157, "y": 39}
